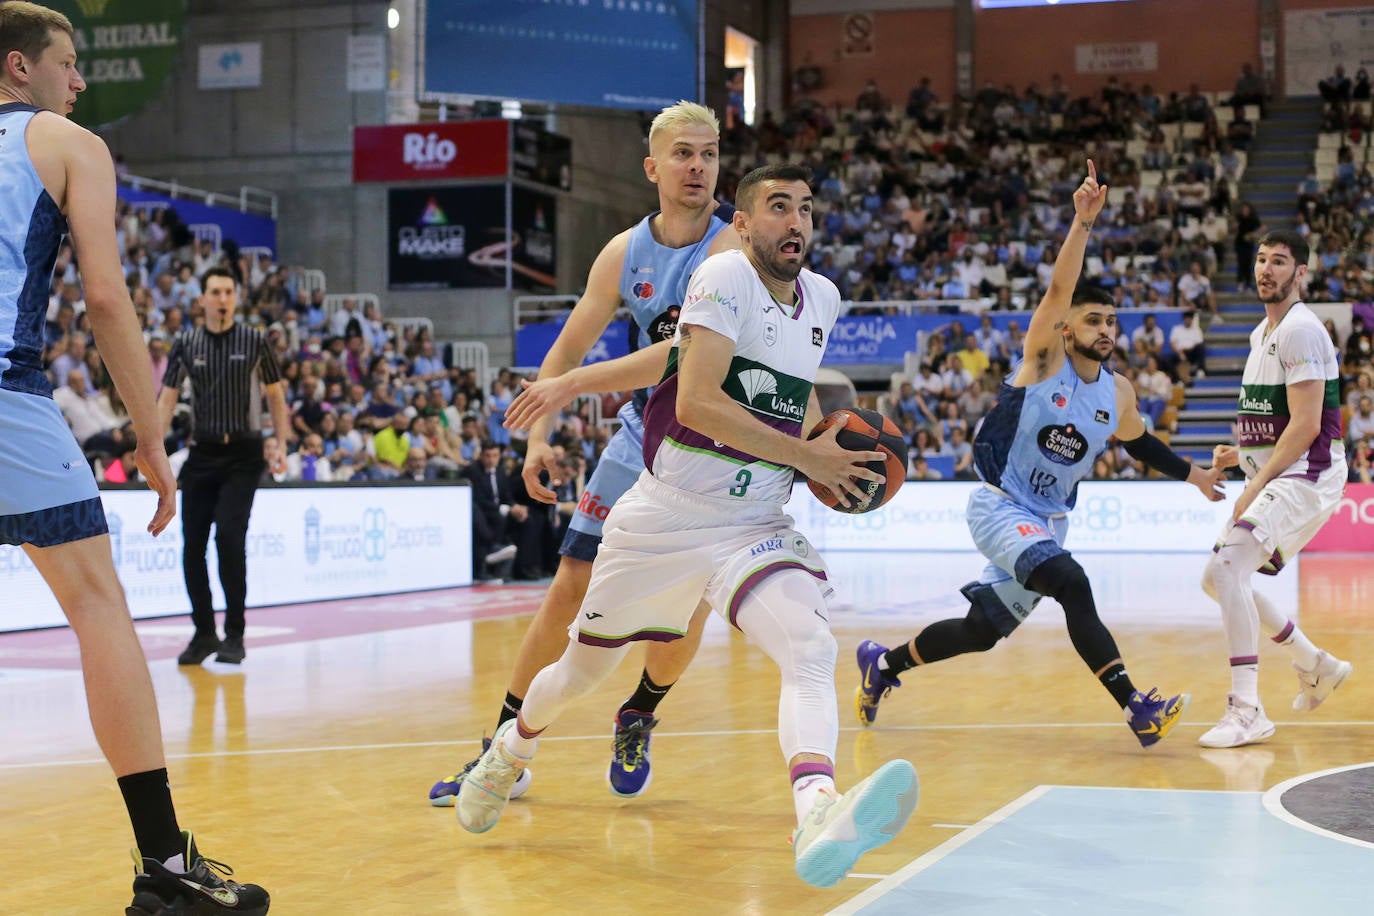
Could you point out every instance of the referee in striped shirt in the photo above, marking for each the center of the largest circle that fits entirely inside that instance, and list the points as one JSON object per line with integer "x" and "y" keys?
{"x": 231, "y": 367}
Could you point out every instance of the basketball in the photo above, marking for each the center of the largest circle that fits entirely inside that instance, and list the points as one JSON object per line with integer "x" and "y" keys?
{"x": 864, "y": 430}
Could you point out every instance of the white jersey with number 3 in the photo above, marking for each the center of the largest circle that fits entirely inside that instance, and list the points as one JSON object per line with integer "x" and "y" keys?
{"x": 778, "y": 349}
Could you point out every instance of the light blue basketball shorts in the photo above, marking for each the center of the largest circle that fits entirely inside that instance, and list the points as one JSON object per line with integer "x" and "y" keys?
{"x": 48, "y": 494}
{"x": 620, "y": 466}
{"x": 1016, "y": 541}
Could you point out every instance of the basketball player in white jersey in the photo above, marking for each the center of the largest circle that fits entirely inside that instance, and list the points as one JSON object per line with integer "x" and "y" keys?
{"x": 723, "y": 434}
{"x": 1293, "y": 457}
{"x": 58, "y": 178}
{"x": 644, "y": 269}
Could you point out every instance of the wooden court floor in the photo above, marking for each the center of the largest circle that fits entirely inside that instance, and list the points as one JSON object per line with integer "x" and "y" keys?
{"x": 307, "y": 769}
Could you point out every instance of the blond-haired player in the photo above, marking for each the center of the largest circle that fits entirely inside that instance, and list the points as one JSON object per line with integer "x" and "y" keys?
{"x": 645, "y": 269}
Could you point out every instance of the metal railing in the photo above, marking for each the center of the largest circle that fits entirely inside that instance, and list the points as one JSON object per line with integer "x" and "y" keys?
{"x": 247, "y": 200}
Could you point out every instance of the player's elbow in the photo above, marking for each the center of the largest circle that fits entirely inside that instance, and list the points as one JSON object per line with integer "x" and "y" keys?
{"x": 105, "y": 298}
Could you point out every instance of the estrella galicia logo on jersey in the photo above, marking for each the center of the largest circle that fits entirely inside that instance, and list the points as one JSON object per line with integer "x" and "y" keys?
{"x": 374, "y": 534}
{"x": 1058, "y": 399}
{"x": 1062, "y": 444}
{"x": 1102, "y": 416}
{"x": 312, "y": 535}
{"x": 665, "y": 326}
{"x": 816, "y": 337}
{"x": 644, "y": 289}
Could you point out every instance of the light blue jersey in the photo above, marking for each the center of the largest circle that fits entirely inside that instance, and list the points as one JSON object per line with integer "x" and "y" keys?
{"x": 31, "y": 231}
{"x": 1032, "y": 450}
{"x": 1041, "y": 440}
{"x": 48, "y": 493}
{"x": 653, "y": 285}
{"x": 653, "y": 281}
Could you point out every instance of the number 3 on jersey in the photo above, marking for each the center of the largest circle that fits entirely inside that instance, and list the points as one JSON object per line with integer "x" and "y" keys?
{"x": 743, "y": 477}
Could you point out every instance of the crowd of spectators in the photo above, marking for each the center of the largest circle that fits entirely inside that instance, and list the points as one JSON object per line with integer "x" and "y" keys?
{"x": 370, "y": 400}
{"x": 960, "y": 201}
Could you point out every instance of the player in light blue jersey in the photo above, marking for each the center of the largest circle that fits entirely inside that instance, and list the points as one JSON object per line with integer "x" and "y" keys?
{"x": 645, "y": 270}
{"x": 57, "y": 178}
{"x": 1051, "y": 421}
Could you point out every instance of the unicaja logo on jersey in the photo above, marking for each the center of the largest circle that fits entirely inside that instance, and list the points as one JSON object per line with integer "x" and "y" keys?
{"x": 761, "y": 389}
{"x": 427, "y": 151}
{"x": 1256, "y": 405}
{"x": 757, "y": 382}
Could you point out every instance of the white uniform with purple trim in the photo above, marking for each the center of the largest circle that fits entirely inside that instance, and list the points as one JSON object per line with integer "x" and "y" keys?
{"x": 705, "y": 519}
{"x": 1292, "y": 508}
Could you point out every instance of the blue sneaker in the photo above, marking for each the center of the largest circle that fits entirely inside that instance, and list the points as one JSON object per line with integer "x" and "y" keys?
{"x": 873, "y": 684}
{"x": 630, "y": 772}
{"x": 446, "y": 790}
{"x": 841, "y": 828}
{"x": 1151, "y": 715}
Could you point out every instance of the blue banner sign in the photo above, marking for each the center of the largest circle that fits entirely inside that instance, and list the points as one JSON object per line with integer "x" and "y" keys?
{"x": 639, "y": 54}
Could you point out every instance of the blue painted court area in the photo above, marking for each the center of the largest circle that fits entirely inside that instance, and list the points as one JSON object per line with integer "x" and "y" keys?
{"x": 1068, "y": 850}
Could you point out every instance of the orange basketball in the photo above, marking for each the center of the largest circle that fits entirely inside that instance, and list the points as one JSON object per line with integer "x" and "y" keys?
{"x": 866, "y": 431}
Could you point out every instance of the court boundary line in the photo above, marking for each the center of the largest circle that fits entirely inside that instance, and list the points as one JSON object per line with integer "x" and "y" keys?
{"x": 894, "y": 880}
{"x": 718, "y": 733}
{"x": 1273, "y": 803}
{"x": 911, "y": 869}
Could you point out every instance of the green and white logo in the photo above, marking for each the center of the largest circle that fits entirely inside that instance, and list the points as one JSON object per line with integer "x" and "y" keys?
{"x": 126, "y": 51}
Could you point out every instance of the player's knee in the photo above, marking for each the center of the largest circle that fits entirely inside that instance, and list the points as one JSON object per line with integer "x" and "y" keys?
{"x": 813, "y": 645}
{"x": 1061, "y": 578}
{"x": 1209, "y": 578}
{"x": 980, "y": 635}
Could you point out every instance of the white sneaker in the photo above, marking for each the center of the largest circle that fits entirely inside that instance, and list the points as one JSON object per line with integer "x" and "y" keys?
{"x": 841, "y": 828}
{"x": 486, "y": 790}
{"x": 1243, "y": 724}
{"x": 1317, "y": 684}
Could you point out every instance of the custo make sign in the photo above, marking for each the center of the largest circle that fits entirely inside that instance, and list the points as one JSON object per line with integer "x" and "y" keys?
{"x": 411, "y": 152}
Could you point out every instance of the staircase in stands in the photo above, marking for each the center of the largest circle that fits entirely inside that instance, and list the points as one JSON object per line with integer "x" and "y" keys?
{"x": 1279, "y": 157}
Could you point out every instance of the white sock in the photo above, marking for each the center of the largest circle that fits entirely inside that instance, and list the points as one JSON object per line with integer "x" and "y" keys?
{"x": 1245, "y": 683}
{"x": 176, "y": 863}
{"x": 1298, "y": 646}
{"x": 518, "y": 745}
{"x": 882, "y": 663}
{"x": 806, "y": 790}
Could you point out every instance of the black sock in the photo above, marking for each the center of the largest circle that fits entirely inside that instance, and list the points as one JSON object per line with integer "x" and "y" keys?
{"x": 1118, "y": 683}
{"x": 149, "y": 800}
{"x": 509, "y": 709}
{"x": 899, "y": 659}
{"x": 647, "y": 696}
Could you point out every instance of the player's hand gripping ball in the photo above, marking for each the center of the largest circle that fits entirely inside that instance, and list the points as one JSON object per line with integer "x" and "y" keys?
{"x": 864, "y": 430}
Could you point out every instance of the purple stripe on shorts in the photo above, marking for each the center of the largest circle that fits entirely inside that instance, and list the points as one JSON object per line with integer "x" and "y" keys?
{"x": 1284, "y": 633}
{"x": 758, "y": 575}
{"x": 612, "y": 642}
{"x": 812, "y": 768}
{"x": 1236, "y": 661}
